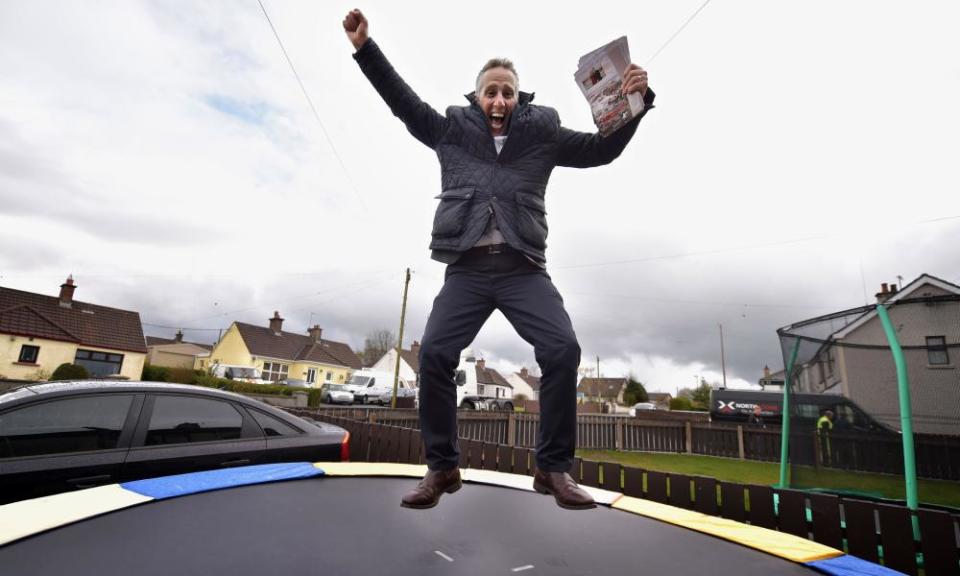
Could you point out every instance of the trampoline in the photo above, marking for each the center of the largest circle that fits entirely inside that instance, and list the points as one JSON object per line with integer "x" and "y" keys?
{"x": 345, "y": 518}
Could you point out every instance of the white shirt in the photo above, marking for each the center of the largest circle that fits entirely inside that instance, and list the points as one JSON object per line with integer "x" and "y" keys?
{"x": 492, "y": 234}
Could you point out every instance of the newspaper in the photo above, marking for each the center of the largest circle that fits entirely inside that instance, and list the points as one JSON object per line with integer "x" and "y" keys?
{"x": 600, "y": 76}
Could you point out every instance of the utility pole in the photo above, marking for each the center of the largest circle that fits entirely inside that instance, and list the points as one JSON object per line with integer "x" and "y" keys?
{"x": 723, "y": 361}
{"x": 403, "y": 315}
{"x": 597, "y": 387}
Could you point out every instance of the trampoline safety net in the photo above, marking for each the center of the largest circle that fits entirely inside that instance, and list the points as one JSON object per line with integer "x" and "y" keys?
{"x": 846, "y": 427}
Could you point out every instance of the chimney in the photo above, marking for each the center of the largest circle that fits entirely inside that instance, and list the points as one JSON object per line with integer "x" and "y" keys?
{"x": 315, "y": 333}
{"x": 894, "y": 289}
{"x": 276, "y": 323}
{"x": 884, "y": 294}
{"x": 66, "y": 292}
{"x": 179, "y": 337}
{"x": 415, "y": 349}
{"x": 482, "y": 364}
{"x": 766, "y": 372}
{"x": 524, "y": 373}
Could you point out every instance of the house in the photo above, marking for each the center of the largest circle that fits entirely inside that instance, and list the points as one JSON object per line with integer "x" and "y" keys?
{"x": 490, "y": 383}
{"x": 39, "y": 333}
{"x": 851, "y": 355}
{"x": 661, "y": 399}
{"x": 602, "y": 389}
{"x": 409, "y": 363}
{"x": 175, "y": 353}
{"x": 773, "y": 380}
{"x": 524, "y": 383}
{"x": 283, "y": 355}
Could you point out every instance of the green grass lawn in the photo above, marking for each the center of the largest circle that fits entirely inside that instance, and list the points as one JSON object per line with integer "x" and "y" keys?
{"x": 767, "y": 473}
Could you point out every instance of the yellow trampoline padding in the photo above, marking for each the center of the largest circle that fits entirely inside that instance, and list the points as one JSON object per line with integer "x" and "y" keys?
{"x": 21, "y": 519}
{"x": 779, "y": 544}
{"x": 371, "y": 469}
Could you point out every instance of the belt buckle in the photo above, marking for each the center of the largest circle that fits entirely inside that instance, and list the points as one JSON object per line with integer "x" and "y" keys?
{"x": 495, "y": 249}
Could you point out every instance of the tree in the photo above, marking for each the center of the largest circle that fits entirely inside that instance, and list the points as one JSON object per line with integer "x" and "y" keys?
{"x": 701, "y": 396}
{"x": 680, "y": 403}
{"x": 376, "y": 344}
{"x": 634, "y": 393}
{"x": 67, "y": 371}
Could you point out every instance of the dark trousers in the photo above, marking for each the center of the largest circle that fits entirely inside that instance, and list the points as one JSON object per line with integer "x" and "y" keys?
{"x": 475, "y": 286}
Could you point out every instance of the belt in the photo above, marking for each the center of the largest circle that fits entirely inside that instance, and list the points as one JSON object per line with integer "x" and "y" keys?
{"x": 490, "y": 249}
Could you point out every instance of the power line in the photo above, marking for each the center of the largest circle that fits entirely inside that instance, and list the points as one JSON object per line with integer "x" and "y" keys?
{"x": 352, "y": 288}
{"x": 733, "y": 248}
{"x": 677, "y": 33}
{"x": 702, "y": 302}
{"x": 312, "y": 107}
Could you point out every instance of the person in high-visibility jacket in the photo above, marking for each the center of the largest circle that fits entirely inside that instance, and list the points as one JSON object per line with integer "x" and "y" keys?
{"x": 824, "y": 427}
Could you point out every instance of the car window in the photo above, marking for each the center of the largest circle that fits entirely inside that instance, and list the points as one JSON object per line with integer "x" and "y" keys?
{"x": 68, "y": 425}
{"x": 273, "y": 426}
{"x": 178, "y": 420}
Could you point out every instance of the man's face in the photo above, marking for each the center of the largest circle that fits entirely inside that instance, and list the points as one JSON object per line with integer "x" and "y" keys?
{"x": 497, "y": 98}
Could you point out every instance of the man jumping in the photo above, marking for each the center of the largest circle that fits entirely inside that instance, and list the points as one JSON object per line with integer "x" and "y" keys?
{"x": 496, "y": 155}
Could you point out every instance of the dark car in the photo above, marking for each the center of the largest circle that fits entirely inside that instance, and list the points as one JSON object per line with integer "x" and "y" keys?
{"x": 70, "y": 435}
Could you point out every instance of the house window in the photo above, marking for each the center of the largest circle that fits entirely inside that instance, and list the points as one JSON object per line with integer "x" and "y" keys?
{"x": 311, "y": 375}
{"x": 99, "y": 363}
{"x": 274, "y": 371}
{"x": 29, "y": 354}
{"x": 937, "y": 354}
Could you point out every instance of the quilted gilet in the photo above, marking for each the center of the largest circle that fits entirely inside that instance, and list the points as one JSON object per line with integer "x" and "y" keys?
{"x": 476, "y": 183}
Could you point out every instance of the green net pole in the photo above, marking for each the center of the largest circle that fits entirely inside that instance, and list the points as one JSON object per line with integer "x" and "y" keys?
{"x": 906, "y": 421}
{"x": 785, "y": 411}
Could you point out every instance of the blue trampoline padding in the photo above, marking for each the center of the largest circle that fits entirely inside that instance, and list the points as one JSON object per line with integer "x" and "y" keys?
{"x": 183, "y": 484}
{"x": 847, "y": 565}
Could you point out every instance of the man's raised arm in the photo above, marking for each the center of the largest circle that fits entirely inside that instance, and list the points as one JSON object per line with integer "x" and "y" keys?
{"x": 425, "y": 123}
{"x": 584, "y": 150}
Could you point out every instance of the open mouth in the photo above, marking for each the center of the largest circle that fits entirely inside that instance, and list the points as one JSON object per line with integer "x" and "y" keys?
{"x": 497, "y": 120}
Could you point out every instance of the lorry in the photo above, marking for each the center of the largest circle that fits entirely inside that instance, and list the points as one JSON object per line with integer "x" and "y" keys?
{"x": 469, "y": 396}
{"x": 736, "y": 406}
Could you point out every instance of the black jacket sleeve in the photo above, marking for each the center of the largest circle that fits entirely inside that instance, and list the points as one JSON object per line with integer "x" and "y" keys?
{"x": 584, "y": 150}
{"x": 425, "y": 123}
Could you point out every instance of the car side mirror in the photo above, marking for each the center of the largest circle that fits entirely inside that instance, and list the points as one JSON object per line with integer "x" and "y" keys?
{"x": 461, "y": 378}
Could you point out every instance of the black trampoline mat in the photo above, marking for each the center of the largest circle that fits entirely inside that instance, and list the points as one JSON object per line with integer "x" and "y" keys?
{"x": 339, "y": 525}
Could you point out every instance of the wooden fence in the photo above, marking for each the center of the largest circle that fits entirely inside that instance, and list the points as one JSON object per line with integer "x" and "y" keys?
{"x": 938, "y": 457}
{"x": 881, "y": 533}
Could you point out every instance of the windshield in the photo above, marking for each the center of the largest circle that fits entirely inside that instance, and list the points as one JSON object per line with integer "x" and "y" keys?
{"x": 358, "y": 380}
{"x": 336, "y": 387}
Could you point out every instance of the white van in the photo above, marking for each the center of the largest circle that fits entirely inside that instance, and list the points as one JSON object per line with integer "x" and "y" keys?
{"x": 369, "y": 385}
{"x": 238, "y": 373}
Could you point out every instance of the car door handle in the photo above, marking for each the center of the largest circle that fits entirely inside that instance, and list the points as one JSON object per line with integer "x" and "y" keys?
{"x": 237, "y": 462}
{"x": 90, "y": 481}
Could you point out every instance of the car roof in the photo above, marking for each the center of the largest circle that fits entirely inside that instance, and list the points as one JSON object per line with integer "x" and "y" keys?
{"x": 93, "y": 386}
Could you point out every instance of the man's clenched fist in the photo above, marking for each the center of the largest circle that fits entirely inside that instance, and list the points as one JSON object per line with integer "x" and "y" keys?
{"x": 355, "y": 25}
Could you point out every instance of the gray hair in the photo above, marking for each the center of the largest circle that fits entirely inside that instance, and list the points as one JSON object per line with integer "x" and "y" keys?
{"x": 498, "y": 63}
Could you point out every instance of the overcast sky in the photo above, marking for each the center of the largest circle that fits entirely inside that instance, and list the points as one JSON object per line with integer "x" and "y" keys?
{"x": 800, "y": 154}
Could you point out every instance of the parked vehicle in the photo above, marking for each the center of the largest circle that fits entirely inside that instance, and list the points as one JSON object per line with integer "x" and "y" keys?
{"x": 295, "y": 383}
{"x": 386, "y": 399}
{"x": 66, "y": 436}
{"x": 730, "y": 405}
{"x": 238, "y": 373}
{"x": 335, "y": 394}
{"x": 642, "y": 407}
{"x": 368, "y": 385}
{"x": 468, "y": 388}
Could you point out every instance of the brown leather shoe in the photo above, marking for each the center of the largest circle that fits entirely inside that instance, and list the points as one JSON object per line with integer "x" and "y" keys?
{"x": 434, "y": 484}
{"x": 564, "y": 490}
